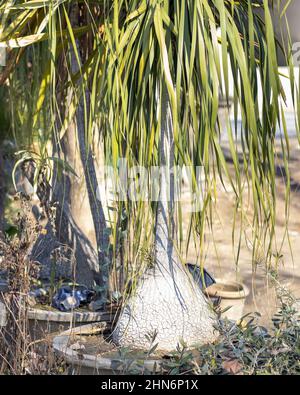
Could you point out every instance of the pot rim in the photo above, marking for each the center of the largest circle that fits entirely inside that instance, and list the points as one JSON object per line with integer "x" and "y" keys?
{"x": 242, "y": 291}
{"x": 75, "y": 316}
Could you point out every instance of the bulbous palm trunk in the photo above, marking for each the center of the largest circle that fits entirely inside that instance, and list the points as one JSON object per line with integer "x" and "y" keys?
{"x": 167, "y": 307}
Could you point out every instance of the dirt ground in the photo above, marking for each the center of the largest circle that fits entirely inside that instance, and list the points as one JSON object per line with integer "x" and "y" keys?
{"x": 219, "y": 252}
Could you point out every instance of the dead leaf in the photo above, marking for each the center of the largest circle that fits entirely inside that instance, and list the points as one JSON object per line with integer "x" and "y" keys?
{"x": 232, "y": 366}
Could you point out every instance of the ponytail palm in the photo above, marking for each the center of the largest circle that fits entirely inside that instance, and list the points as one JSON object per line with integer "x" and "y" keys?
{"x": 169, "y": 62}
{"x": 154, "y": 71}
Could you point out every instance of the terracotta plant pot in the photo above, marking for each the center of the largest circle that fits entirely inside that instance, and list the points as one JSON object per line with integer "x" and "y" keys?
{"x": 232, "y": 294}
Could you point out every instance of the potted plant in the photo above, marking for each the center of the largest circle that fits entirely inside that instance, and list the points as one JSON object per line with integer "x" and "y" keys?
{"x": 154, "y": 72}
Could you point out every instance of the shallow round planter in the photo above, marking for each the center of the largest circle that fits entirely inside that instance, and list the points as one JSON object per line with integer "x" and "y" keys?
{"x": 44, "y": 322}
{"x": 232, "y": 296}
{"x": 84, "y": 363}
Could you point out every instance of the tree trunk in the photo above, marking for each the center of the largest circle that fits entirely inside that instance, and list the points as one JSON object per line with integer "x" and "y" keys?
{"x": 64, "y": 251}
{"x": 99, "y": 221}
{"x": 78, "y": 254}
{"x": 167, "y": 306}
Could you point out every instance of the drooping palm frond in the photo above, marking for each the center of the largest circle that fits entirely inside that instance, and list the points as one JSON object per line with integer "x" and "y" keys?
{"x": 195, "y": 48}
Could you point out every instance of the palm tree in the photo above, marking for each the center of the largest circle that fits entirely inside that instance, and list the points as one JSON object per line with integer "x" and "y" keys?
{"x": 155, "y": 70}
{"x": 167, "y": 72}
{"x": 167, "y": 305}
